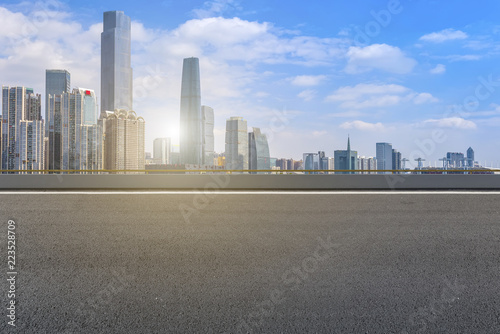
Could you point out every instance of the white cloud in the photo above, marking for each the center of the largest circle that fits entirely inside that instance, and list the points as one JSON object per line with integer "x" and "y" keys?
{"x": 307, "y": 80}
{"x": 439, "y": 69}
{"x": 378, "y": 57}
{"x": 364, "y": 96}
{"x": 307, "y": 95}
{"x": 454, "y": 58}
{"x": 363, "y": 126}
{"x": 451, "y": 122}
{"x": 424, "y": 98}
{"x": 444, "y": 35}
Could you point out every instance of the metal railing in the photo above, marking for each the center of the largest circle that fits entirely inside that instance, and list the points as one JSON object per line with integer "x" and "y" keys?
{"x": 273, "y": 171}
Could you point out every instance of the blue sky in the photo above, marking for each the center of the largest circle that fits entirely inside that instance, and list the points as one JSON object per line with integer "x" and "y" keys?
{"x": 420, "y": 74}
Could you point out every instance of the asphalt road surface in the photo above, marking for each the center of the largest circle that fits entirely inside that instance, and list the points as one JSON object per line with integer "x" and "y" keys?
{"x": 258, "y": 263}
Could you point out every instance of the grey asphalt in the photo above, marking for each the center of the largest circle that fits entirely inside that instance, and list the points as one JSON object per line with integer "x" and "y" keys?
{"x": 261, "y": 263}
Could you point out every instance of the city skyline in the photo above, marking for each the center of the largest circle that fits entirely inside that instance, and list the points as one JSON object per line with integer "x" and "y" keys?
{"x": 397, "y": 83}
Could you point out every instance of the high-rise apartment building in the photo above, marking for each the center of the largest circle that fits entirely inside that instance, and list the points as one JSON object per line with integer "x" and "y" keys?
{"x": 346, "y": 160}
{"x": 162, "y": 148}
{"x": 123, "y": 140}
{"x": 258, "y": 150}
{"x": 116, "y": 70}
{"x": 22, "y": 130}
{"x": 384, "y": 156}
{"x": 73, "y": 132}
{"x": 367, "y": 165}
{"x": 56, "y": 83}
{"x": 191, "y": 136}
{"x": 236, "y": 144}
{"x": 207, "y": 133}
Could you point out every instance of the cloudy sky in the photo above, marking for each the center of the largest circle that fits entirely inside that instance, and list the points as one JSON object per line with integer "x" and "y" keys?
{"x": 423, "y": 75}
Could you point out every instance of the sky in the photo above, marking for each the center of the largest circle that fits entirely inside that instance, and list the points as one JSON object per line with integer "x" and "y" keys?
{"x": 423, "y": 75}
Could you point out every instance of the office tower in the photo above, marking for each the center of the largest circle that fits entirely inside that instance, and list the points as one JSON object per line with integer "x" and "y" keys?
{"x": 22, "y": 130}
{"x": 236, "y": 144}
{"x": 123, "y": 135}
{"x": 455, "y": 159}
{"x": 162, "y": 148}
{"x": 310, "y": 162}
{"x": 323, "y": 160}
{"x": 56, "y": 83}
{"x": 73, "y": 134}
{"x": 346, "y": 160}
{"x": 470, "y": 157}
{"x": 116, "y": 70}
{"x": 384, "y": 156}
{"x": 396, "y": 160}
{"x": 191, "y": 140}
{"x": 258, "y": 150}
{"x": 207, "y": 133}
{"x": 331, "y": 163}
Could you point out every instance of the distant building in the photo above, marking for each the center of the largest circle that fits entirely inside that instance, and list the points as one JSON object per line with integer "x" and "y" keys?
{"x": 236, "y": 144}
{"x": 207, "y": 133}
{"x": 384, "y": 156}
{"x": 73, "y": 132}
{"x": 470, "y": 157}
{"x": 162, "y": 148}
{"x": 346, "y": 160}
{"x": 367, "y": 165}
{"x": 455, "y": 159}
{"x": 23, "y": 130}
{"x": 311, "y": 162}
{"x": 57, "y": 82}
{"x": 123, "y": 140}
{"x": 258, "y": 150}
{"x": 191, "y": 139}
{"x": 396, "y": 160}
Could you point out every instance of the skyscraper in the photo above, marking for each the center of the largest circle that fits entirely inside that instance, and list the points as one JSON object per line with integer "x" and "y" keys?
{"x": 258, "y": 149}
{"x": 346, "y": 160}
{"x": 384, "y": 156}
{"x": 396, "y": 160}
{"x": 207, "y": 129}
{"x": 191, "y": 140}
{"x": 162, "y": 148}
{"x": 56, "y": 83}
{"x": 236, "y": 144}
{"x": 470, "y": 157}
{"x": 455, "y": 159}
{"x": 116, "y": 70}
{"x": 22, "y": 130}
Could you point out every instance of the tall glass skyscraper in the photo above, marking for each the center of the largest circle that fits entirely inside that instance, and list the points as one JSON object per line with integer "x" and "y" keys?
{"x": 116, "y": 70}
{"x": 236, "y": 144}
{"x": 56, "y": 82}
{"x": 191, "y": 140}
{"x": 207, "y": 129}
{"x": 346, "y": 160}
{"x": 258, "y": 149}
{"x": 470, "y": 157}
{"x": 384, "y": 156}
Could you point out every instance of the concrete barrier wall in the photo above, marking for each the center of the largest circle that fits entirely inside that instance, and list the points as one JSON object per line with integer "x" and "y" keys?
{"x": 251, "y": 182}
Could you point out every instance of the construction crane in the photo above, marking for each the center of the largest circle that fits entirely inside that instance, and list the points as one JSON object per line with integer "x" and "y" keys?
{"x": 420, "y": 165}
{"x": 404, "y": 162}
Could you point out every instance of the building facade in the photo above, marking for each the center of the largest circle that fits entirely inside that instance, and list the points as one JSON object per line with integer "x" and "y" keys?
{"x": 73, "y": 132}
{"x": 396, "y": 160}
{"x": 116, "y": 70}
{"x": 123, "y": 141}
{"x": 162, "y": 148}
{"x": 470, "y": 157}
{"x": 191, "y": 136}
{"x": 207, "y": 133}
{"x": 258, "y": 149}
{"x": 346, "y": 160}
{"x": 236, "y": 144}
{"x": 23, "y": 130}
{"x": 56, "y": 82}
{"x": 384, "y": 156}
